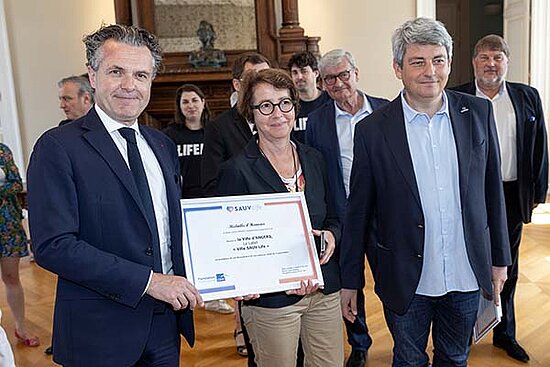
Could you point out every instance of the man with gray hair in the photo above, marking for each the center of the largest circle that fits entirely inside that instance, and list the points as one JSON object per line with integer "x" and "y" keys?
{"x": 330, "y": 130}
{"x": 427, "y": 172}
{"x": 76, "y": 97}
{"x": 105, "y": 217}
{"x": 524, "y": 167}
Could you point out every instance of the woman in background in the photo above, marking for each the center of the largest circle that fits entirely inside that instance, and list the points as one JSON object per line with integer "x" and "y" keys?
{"x": 13, "y": 243}
{"x": 187, "y": 132}
{"x": 272, "y": 163}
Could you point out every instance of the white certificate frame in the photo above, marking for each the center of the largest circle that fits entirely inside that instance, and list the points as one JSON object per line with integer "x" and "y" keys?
{"x": 239, "y": 245}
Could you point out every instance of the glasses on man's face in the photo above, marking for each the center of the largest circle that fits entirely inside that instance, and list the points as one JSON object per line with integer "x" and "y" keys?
{"x": 266, "y": 108}
{"x": 343, "y": 76}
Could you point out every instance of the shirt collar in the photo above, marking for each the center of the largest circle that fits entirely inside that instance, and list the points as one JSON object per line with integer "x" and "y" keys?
{"x": 501, "y": 92}
{"x": 364, "y": 108}
{"x": 112, "y": 125}
{"x": 411, "y": 114}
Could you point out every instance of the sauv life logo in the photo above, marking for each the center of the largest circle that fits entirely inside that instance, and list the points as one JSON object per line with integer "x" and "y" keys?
{"x": 242, "y": 208}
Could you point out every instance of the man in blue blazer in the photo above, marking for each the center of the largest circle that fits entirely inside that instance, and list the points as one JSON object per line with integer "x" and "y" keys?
{"x": 105, "y": 217}
{"x": 426, "y": 169}
{"x": 330, "y": 130}
{"x": 524, "y": 163}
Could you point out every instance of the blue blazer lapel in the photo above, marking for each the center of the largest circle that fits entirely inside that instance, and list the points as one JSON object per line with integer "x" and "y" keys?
{"x": 393, "y": 127}
{"x": 98, "y": 137}
{"x": 461, "y": 121}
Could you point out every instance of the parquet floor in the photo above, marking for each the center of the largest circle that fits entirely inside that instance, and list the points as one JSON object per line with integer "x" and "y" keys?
{"x": 215, "y": 345}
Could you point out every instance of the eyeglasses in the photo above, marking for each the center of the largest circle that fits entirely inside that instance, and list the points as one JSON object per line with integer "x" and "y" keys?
{"x": 266, "y": 108}
{"x": 343, "y": 76}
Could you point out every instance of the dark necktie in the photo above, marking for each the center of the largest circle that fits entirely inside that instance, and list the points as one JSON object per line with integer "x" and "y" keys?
{"x": 138, "y": 171}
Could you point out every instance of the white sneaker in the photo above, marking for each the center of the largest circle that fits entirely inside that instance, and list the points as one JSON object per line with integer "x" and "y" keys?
{"x": 220, "y": 306}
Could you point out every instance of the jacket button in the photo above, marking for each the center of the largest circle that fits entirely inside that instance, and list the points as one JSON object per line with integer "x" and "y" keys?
{"x": 419, "y": 256}
{"x": 149, "y": 251}
{"x": 420, "y": 226}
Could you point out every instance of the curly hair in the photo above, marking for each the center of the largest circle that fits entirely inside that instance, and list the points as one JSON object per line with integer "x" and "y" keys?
{"x": 303, "y": 59}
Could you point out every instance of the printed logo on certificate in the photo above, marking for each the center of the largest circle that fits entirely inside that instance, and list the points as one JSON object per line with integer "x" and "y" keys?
{"x": 248, "y": 244}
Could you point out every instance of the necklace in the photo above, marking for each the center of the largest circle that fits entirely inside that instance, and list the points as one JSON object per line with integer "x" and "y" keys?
{"x": 290, "y": 183}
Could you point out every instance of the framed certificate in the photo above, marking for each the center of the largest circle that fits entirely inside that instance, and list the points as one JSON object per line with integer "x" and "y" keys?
{"x": 249, "y": 244}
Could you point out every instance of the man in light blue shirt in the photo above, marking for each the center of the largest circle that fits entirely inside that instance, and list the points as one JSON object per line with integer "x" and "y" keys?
{"x": 426, "y": 170}
{"x": 433, "y": 152}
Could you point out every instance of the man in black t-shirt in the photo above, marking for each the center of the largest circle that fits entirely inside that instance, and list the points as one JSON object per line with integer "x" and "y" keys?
{"x": 304, "y": 71}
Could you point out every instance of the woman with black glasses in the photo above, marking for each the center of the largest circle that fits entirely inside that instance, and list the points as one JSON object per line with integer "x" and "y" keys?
{"x": 272, "y": 163}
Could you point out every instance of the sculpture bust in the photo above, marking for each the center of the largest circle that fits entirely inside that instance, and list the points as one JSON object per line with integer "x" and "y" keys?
{"x": 207, "y": 35}
{"x": 207, "y": 56}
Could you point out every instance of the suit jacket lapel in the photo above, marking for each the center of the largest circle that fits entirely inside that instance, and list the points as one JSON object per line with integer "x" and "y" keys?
{"x": 462, "y": 129}
{"x": 393, "y": 127}
{"x": 263, "y": 168}
{"x": 519, "y": 110}
{"x": 101, "y": 141}
{"x": 329, "y": 131}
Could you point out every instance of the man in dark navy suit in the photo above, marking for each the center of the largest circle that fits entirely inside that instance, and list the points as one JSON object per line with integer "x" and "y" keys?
{"x": 330, "y": 130}
{"x": 426, "y": 170}
{"x": 524, "y": 162}
{"x": 105, "y": 217}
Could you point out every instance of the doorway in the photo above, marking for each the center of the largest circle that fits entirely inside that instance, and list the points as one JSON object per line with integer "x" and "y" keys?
{"x": 467, "y": 21}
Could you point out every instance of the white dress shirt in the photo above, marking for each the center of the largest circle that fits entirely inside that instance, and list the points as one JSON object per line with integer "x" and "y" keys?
{"x": 505, "y": 118}
{"x": 155, "y": 178}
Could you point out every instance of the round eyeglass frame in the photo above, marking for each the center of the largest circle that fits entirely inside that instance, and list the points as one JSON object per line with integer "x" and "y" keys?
{"x": 266, "y": 108}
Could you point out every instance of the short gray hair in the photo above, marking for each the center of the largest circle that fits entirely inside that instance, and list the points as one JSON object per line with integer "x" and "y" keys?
{"x": 333, "y": 58}
{"x": 83, "y": 85}
{"x": 422, "y": 31}
{"x": 130, "y": 35}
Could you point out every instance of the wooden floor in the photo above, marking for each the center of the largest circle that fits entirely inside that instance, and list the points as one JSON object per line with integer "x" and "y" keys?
{"x": 215, "y": 345}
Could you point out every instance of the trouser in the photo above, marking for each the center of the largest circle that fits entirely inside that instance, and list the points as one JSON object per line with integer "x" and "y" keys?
{"x": 358, "y": 332}
{"x": 316, "y": 319}
{"x": 506, "y": 329}
{"x": 451, "y": 318}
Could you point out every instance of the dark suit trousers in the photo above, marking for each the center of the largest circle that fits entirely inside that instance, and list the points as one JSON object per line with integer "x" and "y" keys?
{"x": 163, "y": 346}
{"x": 507, "y": 326}
{"x": 358, "y": 332}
